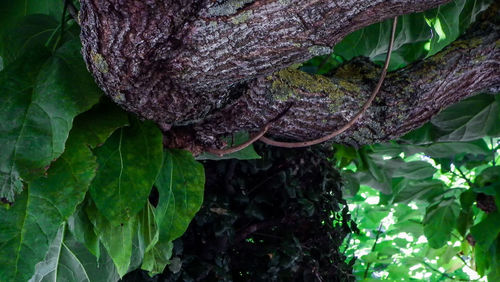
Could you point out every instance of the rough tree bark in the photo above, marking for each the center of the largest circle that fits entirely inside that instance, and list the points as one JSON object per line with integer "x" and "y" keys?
{"x": 202, "y": 69}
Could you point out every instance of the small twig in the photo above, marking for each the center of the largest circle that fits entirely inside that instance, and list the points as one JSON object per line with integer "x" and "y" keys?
{"x": 72, "y": 10}
{"x": 471, "y": 185}
{"x": 373, "y": 249}
{"x": 222, "y": 152}
{"x": 356, "y": 117}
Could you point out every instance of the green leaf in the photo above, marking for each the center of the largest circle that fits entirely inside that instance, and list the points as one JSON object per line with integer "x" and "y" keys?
{"x": 423, "y": 190}
{"x": 373, "y": 215}
{"x": 94, "y": 127}
{"x": 100, "y": 122}
{"x": 371, "y": 257}
{"x": 180, "y": 184}
{"x": 30, "y": 225}
{"x": 470, "y": 119}
{"x": 157, "y": 258}
{"x": 450, "y": 20}
{"x": 414, "y": 170}
{"x": 417, "y": 35}
{"x": 30, "y": 35}
{"x": 239, "y": 138}
{"x": 351, "y": 184}
{"x": 148, "y": 229}
{"x": 372, "y": 41}
{"x": 12, "y": 11}
{"x": 40, "y": 101}
{"x": 68, "y": 260}
{"x": 117, "y": 239}
{"x": 439, "y": 222}
{"x": 83, "y": 231}
{"x": 464, "y": 221}
{"x": 129, "y": 162}
{"x": 487, "y": 230}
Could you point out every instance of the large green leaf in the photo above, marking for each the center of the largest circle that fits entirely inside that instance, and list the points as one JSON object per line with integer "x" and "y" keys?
{"x": 434, "y": 150}
{"x": 148, "y": 227}
{"x": 424, "y": 190}
{"x": 94, "y": 126}
{"x": 40, "y": 101}
{"x": 180, "y": 185}
{"x": 470, "y": 119}
{"x": 157, "y": 258}
{"x": 31, "y": 223}
{"x": 417, "y": 35}
{"x": 11, "y": 12}
{"x": 439, "y": 221}
{"x": 117, "y": 239}
{"x": 450, "y": 20}
{"x": 82, "y": 230}
{"x": 68, "y": 260}
{"x": 486, "y": 231}
{"x": 129, "y": 162}
{"x": 31, "y": 34}
{"x": 372, "y": 41}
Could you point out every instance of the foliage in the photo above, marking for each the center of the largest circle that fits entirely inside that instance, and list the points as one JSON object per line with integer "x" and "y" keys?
{"x": 266, "y": 220}
{"x": 73, "y": 183}
{"x": 436, "y": 201}
{"x": 76, "y": 173}
{"x": 418, "y": 35}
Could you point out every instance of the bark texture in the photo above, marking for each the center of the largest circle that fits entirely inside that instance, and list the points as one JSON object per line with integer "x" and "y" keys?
{"x": 208, "y": 68}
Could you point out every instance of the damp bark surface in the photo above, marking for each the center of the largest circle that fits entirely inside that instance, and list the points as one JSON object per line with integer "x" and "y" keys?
{"x": 209, "y": 68}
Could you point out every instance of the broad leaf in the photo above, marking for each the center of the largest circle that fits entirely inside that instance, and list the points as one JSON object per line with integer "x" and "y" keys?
{"x": 416, "y": 170}
{"x": 157, "y": 258}
{"x": 83, "y": 231}
{"x": 40, "y": 101}
{"x": 117, "y": 239}
{"x": 31, "y": 34}
{"x": 129, "y": 162}
{"x": 417, "y": 35}
{"x": 470, "y": 119}
{"x": 423, "y": 190}
{"x": 148, "y": 229}
{"x": 180, "y": 184}
{"x": 486, "y": 231}
{"x": 11, "y": 12}
{"x": 30, "y": 225}
{"x": 68, "y": 260}
{"x": 450, "y": 20}
{"x": 94, "y": 126}
{"x": 439, "y": 221}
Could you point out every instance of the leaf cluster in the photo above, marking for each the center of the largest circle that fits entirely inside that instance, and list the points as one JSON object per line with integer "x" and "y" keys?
{"x": 75, "y": 170}
{"x": 438, "y": 185}
{"x": 278, "y": 218}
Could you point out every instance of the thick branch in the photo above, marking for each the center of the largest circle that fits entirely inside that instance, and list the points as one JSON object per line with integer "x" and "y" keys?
{"x": 408, "y": 98}
{"x": 176, "y": 61}
{"x": 227, "y": 45}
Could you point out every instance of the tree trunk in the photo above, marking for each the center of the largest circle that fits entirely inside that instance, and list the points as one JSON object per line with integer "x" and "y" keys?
{"x": 204, "y": 69}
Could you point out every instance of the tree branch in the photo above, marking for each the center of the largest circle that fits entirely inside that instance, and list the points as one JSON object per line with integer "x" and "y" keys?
{"x": 355, "y": 118}
{"x": 409, "y": 97}
{"x": 177, "y": 61}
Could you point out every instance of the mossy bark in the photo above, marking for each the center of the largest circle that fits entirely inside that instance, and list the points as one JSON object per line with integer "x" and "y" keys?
{"x": 203, "y": 69}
